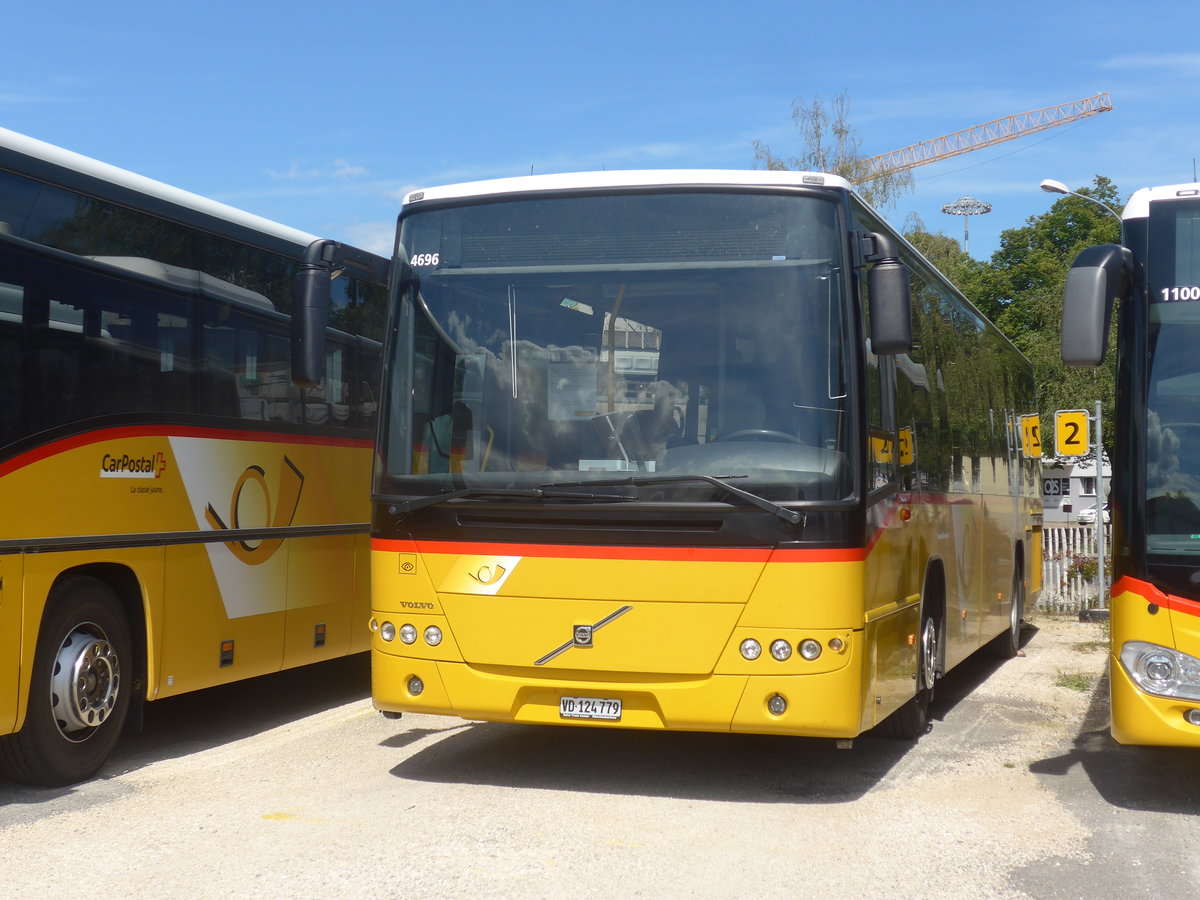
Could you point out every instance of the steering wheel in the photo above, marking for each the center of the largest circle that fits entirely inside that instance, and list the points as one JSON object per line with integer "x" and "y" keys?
{"x": 761, "y": 434}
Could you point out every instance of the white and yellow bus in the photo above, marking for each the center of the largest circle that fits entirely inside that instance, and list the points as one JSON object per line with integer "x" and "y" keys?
{"x": 178, "y": 513}
{"x": 697, "y": 450}
{"x": 1155, "y": 609}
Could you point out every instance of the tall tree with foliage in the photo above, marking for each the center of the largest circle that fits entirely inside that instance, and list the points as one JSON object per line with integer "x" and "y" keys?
{"x": 1021, "y": 289}
{"x": 831, "y": 144}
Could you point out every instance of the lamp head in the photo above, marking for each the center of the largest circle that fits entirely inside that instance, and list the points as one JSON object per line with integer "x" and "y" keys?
{"x": 1050, "y": 186}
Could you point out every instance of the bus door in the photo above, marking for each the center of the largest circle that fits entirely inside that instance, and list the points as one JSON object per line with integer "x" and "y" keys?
{"x": 892, "y": 600}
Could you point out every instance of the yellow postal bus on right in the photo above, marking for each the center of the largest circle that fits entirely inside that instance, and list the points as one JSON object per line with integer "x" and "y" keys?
{"x": 1155, "y": 274}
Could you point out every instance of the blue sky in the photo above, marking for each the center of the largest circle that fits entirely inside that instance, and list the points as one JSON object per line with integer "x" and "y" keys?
{"x": 321, "y": 115}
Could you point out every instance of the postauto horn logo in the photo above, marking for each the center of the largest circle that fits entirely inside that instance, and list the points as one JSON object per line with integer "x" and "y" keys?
{"x": 287, "y": 499}
{"x": 126, "y": 465}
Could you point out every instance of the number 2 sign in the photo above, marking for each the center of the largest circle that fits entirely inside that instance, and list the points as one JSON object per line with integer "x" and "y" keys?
{"x": 1071, "y": 436}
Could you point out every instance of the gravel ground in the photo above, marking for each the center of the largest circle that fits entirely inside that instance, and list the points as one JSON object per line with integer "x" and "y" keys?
{"x": 293, "y": 786}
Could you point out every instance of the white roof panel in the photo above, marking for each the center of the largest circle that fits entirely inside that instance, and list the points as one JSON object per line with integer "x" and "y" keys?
{"x": 622, "y": 179}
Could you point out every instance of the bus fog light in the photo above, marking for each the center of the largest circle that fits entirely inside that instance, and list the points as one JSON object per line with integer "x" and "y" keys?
{"x": 751, "y": 649}
{"x": 433, "y": 635}
{"x": 387, "y": 631}
{"x": 416, "y": 686}
{"x": 1192, "y": 716}
{"x": 408, "y": 634}
{"x": 776, "y": 705}
{"x": 781, "y": 650}
{"x": 810, "y": 649}
{"x": 1162, "y": 670}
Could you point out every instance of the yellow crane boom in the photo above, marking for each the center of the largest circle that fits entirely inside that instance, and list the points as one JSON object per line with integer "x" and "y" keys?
{"x": 994, "y": 132}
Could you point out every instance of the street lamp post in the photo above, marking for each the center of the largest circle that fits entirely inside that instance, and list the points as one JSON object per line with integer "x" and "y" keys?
{"x": 1050, "y": 186}
{"x": 966, "y": 206}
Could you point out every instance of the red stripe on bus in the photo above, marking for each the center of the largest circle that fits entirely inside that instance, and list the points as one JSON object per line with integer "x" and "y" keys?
{"x": 1152, "y": 594}
{"x": 654, "y": 554}
{"x": 119, "y": 433}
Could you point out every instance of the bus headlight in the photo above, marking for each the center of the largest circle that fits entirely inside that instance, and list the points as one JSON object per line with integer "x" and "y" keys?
{"x": 408, "y": 633}
{"x": 751, "y": 649}
{"x": 1161, "y": 670}
{"x": 387, "y": 631}
{"x": 781, "y": 650}
{"x": 433, "y": 635}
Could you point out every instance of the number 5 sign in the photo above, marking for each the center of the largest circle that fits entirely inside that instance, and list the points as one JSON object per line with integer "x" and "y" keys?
{"x": 1071, "y": 437}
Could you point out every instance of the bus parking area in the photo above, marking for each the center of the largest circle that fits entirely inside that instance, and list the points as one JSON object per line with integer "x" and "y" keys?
{"x": 292, "y": 785}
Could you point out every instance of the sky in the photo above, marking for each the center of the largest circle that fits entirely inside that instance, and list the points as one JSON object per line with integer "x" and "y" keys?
{"x": 323, "y": 115}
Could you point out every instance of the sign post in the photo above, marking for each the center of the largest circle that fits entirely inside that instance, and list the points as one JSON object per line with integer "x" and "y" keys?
{"x": 1100, "y": 586}
{"x": 1073, "y": 436}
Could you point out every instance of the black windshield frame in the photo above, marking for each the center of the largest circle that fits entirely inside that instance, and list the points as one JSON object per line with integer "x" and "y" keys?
{"x": 418, "y": 333}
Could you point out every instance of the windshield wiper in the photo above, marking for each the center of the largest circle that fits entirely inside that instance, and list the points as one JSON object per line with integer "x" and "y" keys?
{"x": 537, "y": 493}
{"x": 719, "y": 481}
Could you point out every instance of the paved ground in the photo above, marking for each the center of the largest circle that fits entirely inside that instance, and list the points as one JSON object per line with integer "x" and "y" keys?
{"x": 292, "y": 786}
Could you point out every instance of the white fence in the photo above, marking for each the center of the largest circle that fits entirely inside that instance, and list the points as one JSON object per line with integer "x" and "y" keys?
{"x": 1065, "y": 588}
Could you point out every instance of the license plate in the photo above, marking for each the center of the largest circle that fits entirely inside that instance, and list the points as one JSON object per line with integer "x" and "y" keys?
{"x": 589, "y": 708}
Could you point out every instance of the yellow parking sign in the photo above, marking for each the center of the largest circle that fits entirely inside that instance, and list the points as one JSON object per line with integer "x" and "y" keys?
{"x": 1031, "y": 437}
{"x": 1071, "y": 435}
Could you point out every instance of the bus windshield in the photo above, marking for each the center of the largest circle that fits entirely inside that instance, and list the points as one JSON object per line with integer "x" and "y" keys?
{"x": 1173, "y": 395}
{"x": 561, "y": 339}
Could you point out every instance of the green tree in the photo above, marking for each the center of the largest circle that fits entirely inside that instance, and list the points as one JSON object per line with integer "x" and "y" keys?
{"x": 831, "y": 144}
{"x": 1021, "y": 289}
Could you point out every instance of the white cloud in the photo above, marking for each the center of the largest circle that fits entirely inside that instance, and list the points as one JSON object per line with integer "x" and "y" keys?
{"x": 294, "y": 173}
{"x": 301, "y": 171}
{"x": 376, "y": 237}
{"x": 1181, "y": 63}
{"x": 343, "y": 169}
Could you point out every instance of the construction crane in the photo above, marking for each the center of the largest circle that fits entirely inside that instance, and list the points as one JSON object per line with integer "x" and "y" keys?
{"x": 986, "y": 135}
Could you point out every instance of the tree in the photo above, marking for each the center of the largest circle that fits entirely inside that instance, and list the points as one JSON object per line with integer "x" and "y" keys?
{"x": 1021, "y": 289}
{"x": 831, "y": 144}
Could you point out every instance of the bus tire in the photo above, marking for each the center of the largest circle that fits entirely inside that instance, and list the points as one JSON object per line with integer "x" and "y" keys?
{"x": 911, "y": 720}
{"x": 79, "y": 690}
{"x": 1007, "y": 644}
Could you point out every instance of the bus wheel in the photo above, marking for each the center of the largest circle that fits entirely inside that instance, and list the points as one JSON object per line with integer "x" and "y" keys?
{"x": 911, "y": 720}
{"x": 80, "y": 688}
{"x": 1007, "y": 644}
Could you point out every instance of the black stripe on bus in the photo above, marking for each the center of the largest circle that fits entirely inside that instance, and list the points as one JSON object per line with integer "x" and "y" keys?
{"x": 173, "y": 538}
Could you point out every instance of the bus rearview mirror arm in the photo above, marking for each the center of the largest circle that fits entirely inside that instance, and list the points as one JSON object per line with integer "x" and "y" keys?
{"x": 1099, "y": 276}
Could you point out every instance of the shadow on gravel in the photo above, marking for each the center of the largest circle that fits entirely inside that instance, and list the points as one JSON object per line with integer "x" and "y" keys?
{"x": 178, "y": 726}
{"x": 688, "y": 765}
{"x": 191, "y": 723}
{"x": 1148, "y": 779}
{"x": 198, "y": 721}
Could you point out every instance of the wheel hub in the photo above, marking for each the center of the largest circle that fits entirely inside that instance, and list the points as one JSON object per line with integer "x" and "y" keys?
{"x": 86, "y": 682}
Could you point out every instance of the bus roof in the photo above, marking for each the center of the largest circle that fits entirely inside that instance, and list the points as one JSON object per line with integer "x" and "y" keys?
{"x": 1138, "y": 206}
{"x": 632, "y": 178}
{"x": 52, "y": 164}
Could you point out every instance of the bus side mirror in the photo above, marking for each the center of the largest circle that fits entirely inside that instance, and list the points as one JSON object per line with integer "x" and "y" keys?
{"x": 311, "y": 296}
{"x": 890, "y": 293}
{"x": 1098, "y": 276}
{"x": 310, "y": 313}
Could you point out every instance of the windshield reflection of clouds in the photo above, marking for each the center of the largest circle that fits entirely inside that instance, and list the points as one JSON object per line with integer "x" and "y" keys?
{"x": 717, "y": 375}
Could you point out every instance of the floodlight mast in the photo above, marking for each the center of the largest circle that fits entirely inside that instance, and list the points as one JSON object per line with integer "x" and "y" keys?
{"x": 967, "y": 206}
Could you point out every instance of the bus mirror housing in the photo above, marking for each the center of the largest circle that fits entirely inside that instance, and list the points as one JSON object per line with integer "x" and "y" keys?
{"x": 310, "y": 313}
{"x": 890, "y": 294}
{"x": 311, "y": 297}
{"x": 1099, "y": 276}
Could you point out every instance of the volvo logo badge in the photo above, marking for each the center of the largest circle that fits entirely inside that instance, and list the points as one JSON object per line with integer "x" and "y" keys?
{"x": 581, "y": 635}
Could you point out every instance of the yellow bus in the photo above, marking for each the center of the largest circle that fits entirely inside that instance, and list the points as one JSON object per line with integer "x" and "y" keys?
{"x": 1155, "y": 498}
{"x": 701, "y": 450}
{"x": 178, "y": 512}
